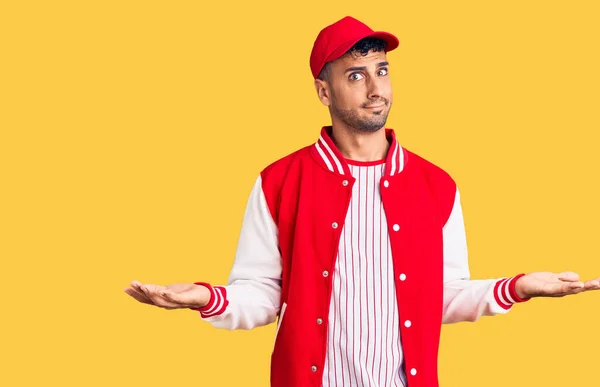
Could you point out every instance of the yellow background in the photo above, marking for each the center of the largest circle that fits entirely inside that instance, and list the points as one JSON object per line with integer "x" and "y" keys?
{"x": 132, "y": 132}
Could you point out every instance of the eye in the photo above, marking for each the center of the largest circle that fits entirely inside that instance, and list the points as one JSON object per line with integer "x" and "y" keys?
{"x": 355, "y": 76}
{"x": 382, "y": 71}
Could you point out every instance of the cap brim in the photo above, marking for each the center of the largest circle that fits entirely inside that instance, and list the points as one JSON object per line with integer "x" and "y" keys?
{"x": 391, "y": 40}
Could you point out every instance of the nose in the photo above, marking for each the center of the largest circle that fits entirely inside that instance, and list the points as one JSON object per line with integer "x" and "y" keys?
{"x": 375, "y": 89}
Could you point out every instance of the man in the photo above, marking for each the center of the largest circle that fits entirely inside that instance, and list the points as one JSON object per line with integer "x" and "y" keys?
{"x": 356, "y": 243}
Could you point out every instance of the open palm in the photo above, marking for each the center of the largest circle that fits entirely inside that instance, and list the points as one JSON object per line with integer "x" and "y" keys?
{"x": 175, "y": 296}
{"x": 547, "y": 284}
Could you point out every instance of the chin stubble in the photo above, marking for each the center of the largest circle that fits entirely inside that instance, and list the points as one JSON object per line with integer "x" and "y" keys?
{"x": 371, "y": 124}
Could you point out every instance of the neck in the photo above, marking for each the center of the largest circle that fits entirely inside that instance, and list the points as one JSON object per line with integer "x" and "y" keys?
{"x": 360, "y": 146}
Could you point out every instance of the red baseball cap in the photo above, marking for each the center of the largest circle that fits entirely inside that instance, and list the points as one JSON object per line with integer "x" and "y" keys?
{"x": 334, "y": 40}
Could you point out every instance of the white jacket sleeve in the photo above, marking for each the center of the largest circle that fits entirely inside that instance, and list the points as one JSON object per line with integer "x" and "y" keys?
{"x": 466, "y": 299}
{"x": 252, "y": 296}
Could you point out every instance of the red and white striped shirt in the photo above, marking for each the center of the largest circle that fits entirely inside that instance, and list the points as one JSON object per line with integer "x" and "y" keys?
{"x": 363, "y": 346}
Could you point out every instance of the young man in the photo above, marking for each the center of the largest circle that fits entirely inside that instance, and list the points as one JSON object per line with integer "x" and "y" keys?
{"x": 356, "y": 243}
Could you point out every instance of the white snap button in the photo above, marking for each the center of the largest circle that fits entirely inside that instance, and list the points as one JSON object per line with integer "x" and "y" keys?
{"x": 319, "y": 321}
{"x": 334, "y": 225}
{"x": 413, "y": 371}
{"x": 386, "y": 183}
{"x": 313, "y": 368}
{"x": 345, "y": 183}
{"x": 402, "y": 277}
{"x": 325, "y": 273}
{"x": 396, "y": 227}
{"x": 407, "y": 323}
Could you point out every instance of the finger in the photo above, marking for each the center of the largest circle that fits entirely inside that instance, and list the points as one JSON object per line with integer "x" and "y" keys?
{"x": 577, "y": 290}
{"x": 140, "y": 293}
{"x": 138, "y": 296}
{"x": 141, "y": 289}
{"x": 568, "y": 276}
{"x": 146, "y": 295}
{"x": 592, "y": 285}
{"x": 137, "y": 285}
{"x": 564, "y": 288}
{"x": 574, "y": 288}
{"x": 576, "y": 285}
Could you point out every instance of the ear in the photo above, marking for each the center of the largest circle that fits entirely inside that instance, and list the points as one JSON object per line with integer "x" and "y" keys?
{"x": 323, "y": 91}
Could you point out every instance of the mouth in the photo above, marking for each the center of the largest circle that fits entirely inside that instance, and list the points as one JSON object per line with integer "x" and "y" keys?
{"x": 375, "y": 107}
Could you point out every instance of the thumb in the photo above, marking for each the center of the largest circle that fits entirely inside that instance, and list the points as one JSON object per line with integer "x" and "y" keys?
{"x": 568, "y": 276}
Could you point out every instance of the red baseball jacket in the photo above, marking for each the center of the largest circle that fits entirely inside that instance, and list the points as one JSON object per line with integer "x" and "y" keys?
{"x": 288, "y": 246}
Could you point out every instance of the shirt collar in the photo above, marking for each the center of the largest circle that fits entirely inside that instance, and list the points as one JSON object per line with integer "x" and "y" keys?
{"x": 328, "y": 155}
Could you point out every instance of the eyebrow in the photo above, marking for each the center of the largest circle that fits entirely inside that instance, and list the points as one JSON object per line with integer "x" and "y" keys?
{"x": 361, "y": 68}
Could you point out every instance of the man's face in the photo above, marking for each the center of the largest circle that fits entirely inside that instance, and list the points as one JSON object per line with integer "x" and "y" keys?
{"x": 360, "y": 90}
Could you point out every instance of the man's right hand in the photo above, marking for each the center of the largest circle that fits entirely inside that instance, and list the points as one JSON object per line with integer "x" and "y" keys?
{"x": 176, "y": 296}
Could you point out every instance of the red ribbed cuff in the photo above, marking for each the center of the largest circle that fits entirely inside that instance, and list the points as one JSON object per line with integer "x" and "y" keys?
{"x": 513, "y": 292}
{"x": 218, "y": 301}
{"x": 505, "y": 293}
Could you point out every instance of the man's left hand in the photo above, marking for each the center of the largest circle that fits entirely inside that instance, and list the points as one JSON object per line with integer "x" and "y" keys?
{"x": 546, "y": 284}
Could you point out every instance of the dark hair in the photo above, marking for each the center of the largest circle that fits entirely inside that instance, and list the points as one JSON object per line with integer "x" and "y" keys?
{"x": 361, "y": 47}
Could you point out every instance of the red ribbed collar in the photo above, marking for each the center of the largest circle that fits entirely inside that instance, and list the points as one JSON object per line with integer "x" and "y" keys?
{"x": 331, "y": 158}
